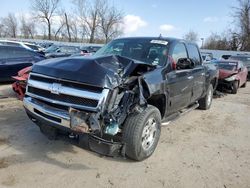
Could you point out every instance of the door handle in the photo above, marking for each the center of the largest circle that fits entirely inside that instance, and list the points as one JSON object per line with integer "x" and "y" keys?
{"x": 190, "y": 77}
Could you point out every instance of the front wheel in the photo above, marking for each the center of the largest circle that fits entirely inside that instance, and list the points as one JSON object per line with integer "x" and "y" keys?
{"x": 141, "y": 133}
{"x": 235, "y": 87}
{"x": 205, "y": 102}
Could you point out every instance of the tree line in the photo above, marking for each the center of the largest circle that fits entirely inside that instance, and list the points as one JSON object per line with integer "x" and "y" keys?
{"x": 93, "y": 21}
{"x": 236, "y": 37}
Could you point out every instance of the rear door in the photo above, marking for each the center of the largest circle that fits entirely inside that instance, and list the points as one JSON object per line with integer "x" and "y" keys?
{"x": 179, "y": 81}
{"x": 5, "y": 53}
{"x": 198, "y": 72}
{"x": 15, "y": 60}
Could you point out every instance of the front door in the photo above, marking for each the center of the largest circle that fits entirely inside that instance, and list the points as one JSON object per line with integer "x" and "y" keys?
{"x": 179, "y": 82}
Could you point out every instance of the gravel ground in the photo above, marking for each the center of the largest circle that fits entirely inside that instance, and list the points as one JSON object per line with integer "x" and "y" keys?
{"x": 201, "y": 149}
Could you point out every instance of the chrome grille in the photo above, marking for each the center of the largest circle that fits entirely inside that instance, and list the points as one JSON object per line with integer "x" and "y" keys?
{"x": 66, "y": 93}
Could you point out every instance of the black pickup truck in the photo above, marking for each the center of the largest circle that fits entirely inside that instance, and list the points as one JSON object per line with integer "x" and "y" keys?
{"x": 115, "y": 101}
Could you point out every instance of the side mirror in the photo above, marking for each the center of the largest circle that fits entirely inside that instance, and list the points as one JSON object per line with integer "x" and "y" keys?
{"x": 184, "y": 63}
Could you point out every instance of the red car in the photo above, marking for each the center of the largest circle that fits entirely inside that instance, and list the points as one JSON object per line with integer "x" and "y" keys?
{"x": 232, "y": 75}
{"x": 19, "y": 86}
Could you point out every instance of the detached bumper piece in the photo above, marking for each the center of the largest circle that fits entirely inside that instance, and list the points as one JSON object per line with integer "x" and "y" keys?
{"x": 19, "y": 88}
{"x": 50, "y": 119}
{"x": 101, "y": 146}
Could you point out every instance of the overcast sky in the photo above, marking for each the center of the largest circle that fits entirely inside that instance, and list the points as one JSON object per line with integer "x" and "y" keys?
{"x": 153, "y": 17}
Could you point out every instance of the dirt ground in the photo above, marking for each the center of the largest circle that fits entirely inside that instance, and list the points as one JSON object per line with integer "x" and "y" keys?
{"x": 201, "y": 149}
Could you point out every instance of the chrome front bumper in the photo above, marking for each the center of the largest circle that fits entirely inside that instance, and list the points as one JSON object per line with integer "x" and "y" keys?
{"x": 51, "y": 114}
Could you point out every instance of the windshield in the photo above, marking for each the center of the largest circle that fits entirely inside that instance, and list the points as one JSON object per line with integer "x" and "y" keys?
{"x": 146, "y": 50}
{"x": 51, "y": 49}
{"x": 244, "y": 59}
{"x": 228, "y": 66}
{"x": 32, "y": 47}
{"x": 69, "y": 49}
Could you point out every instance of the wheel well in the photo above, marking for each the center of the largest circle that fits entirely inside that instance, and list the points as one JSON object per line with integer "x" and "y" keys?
{"x": 214, "y": 83}
{"x": 159, "y": 101}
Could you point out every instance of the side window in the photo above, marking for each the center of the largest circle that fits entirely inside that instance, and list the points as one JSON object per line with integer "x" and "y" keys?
{"x": 193, "y": 53}
{"x": 5, "y": 53}
{"x": 179, "y": 52}
{"x": 21, "y": 53}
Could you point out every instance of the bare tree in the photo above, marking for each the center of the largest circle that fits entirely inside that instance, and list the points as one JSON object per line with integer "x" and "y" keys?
{"x": 191, "y": 36}
{"x": 59, "y": 26}
{"x": 67, "y": 26}
{"x": 217, "y": 42}
{"x": 45, "y": 11}
{"x": 242, "y": 16}
{"x": 27, "y": 28}
{"x": 110, "y": 20}
{"x": 10, "y": 25}
{"x": 2, "y": 30}
{"x": 88, "y": 12}
{"x": 74, "y": 29}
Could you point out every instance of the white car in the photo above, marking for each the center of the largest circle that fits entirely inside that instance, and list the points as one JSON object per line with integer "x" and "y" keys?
{"x": 25, "y": 45}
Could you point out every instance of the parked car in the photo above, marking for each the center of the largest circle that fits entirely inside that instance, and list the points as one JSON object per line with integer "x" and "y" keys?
{"x": 225, "y": 57}
{"x": 87, "y": 51}
{"x": 61, "y": 51}
{"x": 206, "y": 57}
{"x": 19, "y": 86}
{"x": 25, "y": 45}
{"x": 232, "y": 75}
{"x": 245, "y": 59}
{"x": 45, "y": 45}
{"x": 13, "y": 59}
{"x": 115, "y": 101}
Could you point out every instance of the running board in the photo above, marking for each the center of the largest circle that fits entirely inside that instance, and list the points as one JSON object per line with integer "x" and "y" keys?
{"x": 178, "y": 114}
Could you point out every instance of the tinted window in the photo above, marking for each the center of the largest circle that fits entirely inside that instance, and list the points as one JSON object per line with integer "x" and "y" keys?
{"x": 13, "y": 44}
{"x": 32, "y": 46}
{"x": 193, "y": 53}
{"x": 19, "y": 52}
{"x": 3, "y": 53}
{"x": 232, "y": 66}
{"x": 145, "y": 50}
{"x": 14, "y": 53}
{"x": 179, "y": 52}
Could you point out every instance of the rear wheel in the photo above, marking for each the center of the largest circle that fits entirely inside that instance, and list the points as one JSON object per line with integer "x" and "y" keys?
{"x": 141, "y": 133}
{"x": 235, "y": 87}
{"x": 206, "y": 101}
{"x": 245, "y": 84}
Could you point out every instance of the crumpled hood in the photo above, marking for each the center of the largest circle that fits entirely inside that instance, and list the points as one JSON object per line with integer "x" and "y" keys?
{"x": 226, "y": 73}
{"x": 108, "y": 71}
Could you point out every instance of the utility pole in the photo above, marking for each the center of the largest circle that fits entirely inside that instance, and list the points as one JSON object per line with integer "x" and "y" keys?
{"x": 202, "y": 42}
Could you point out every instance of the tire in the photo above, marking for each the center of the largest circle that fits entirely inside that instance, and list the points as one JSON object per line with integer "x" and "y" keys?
{"x": 205, "y": 102}
{"x": 244, "y": 85}
{"x": 235, "y": 87}
{"x": 141, "y": 133}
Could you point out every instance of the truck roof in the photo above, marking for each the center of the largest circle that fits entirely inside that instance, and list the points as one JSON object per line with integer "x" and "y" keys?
{"x": 169, "y": 39}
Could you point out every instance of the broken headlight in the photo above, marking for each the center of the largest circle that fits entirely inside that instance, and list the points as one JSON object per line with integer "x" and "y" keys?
{"x": 231, "y": 78}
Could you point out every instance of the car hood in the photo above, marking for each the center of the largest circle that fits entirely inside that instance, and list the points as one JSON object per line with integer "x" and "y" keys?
{"x": 106, "y": 72}
{"x": 226, "y": 73}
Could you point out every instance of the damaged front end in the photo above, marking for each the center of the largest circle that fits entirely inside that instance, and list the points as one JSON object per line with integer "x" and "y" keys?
{"x": 227, "y": 83}
{"x": 93, "y": 108}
